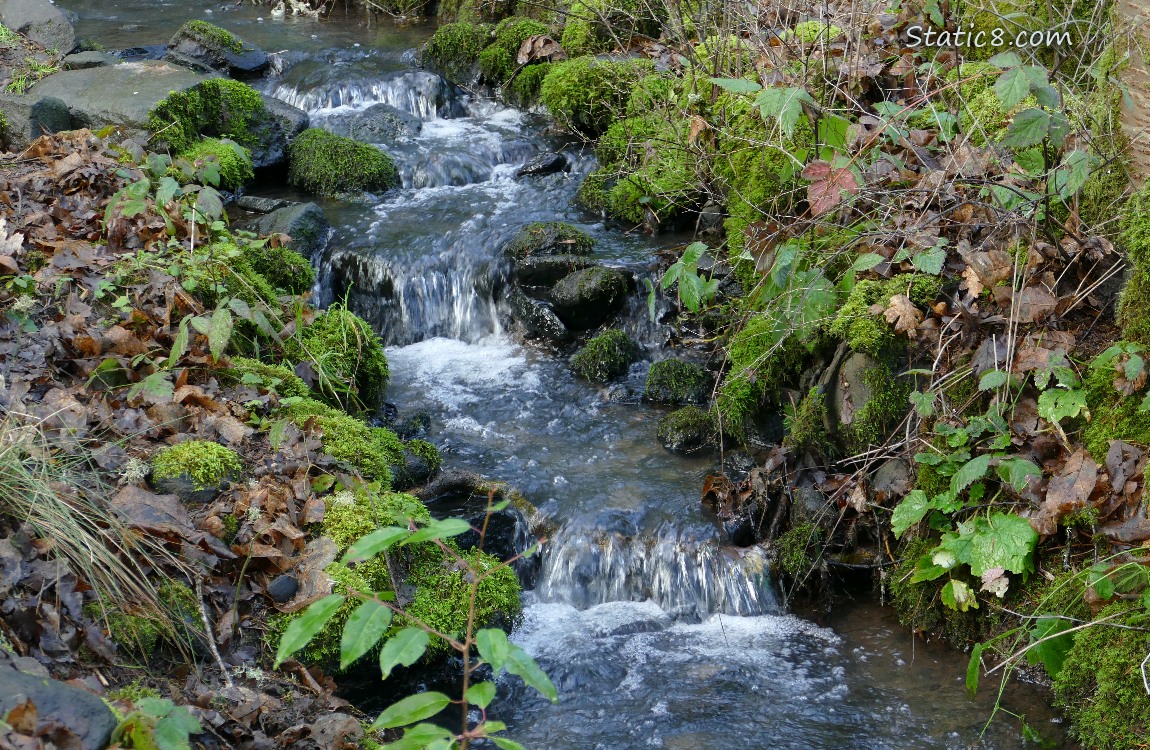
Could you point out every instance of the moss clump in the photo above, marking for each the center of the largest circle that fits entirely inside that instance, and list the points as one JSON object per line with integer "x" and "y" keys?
{"x": 525, "y": 87}
{"x": 278, "y": 378}
{"x": 283, "y": 267}
{"x": 919, "y": 605}
{"x": 141, "y": 632}
{"x": 495, "y": 64}
{"x": 1113, "y": 416}
{"x": 761, "y": 358}
{"x": 888, "y": 404}
{"x": 454, "y": 50}
{"x": 328, "y": 164}
{"x": 218, "y": 107}
{"x": 806, "y": 428}
{"x": 348, "y": 358}
{"x": 687, "y": 430}
{"x": 235, "y": 161}
{"x": 549, "y": 238}
{"x": 795, "y": 548}
{"x": 1134, "y": 227}
{"x": 981, "y": 115}
{"x": 204, "y": 463}
{"x": 869, "y": 332}
{"x": 133, "y": 692}
{"x": 1100, "y": 685}
{"x": 809, "y": 32}
{"x": 426, "y": 454}
{"x": 675, "y": 382}
{"x": 212, "y": 33}
{"x": 593, "y": 26}
{"x": 444, "y": 592}
{"x": 586, "y": 94}
{"x": 605, "y": 357}
{"x": 511, "y": 33}
{"x": 373, "y": 451}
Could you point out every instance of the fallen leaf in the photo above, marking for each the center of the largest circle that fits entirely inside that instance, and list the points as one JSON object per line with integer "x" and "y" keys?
{"x": 903, "y": 315}
{"x": 1067, "y": 492}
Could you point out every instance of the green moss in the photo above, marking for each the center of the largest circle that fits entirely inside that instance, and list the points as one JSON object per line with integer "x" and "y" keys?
{"x": 888, "y": 404}
{"x": 218, "y": 107}
{"x": 869, "y": 332}
{"x": 809, "y": 32}
{"x": 593, "y": 26}
{"x": 454, "y": 50}
{"x": 427, "y": 452}
{"x": 761, "y": 357}
{"x": 473, "y": 10}
{"x": 139, "y": 632}
{"x": 806, "y": 429}
{"x": 235, "y": 161}
{"x": 495, "y": 64}
{"x": 1100, "y": 685}
{"x": 549, "y": 236}
{"x": 1134, "y": 227}
{"x": 1113, "y": 416}
{"x": 205, "y": 463}
{"x": 278, "y": 378}
{"x": 348, "y": 358}
{"x": 212, "y": 33}
{"x": 686, "y": 430}
{"x": 374, "y": 451}
{"x": 133, "y": 692}
{"x": 444, "y": 592}
{"x": 795, "y": 548}
{"x": 605, "y": 357}
{"x": 283, "y": 267}
{"x": 675, "y": 382}
{"x": 586, "y": 94}
{"x": 328, "y": 164}
{"x": 525, "y": 88}
{"x": 511, "y": 33}
{"x": 919, "y": 605}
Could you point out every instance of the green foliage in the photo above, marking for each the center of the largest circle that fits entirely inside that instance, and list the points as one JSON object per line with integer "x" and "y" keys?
{"x": 605, "y": 357}
{"x": 869, "y": 332}
{"x": 281, "y": 266}
{"x": 235, "y": 161}
{"x": 594, "y": 26}
{"x": 511, "y": 33}
{"x": 881, "y": 413}
{"x": 587, "y": 94}
{"x": 795, "y": 548}
{"x": 374, "y": 451}
{"x": 454, "y": 49}
{"x": 693, "y": 290}
{"x": 212, "y": 33}
{"x": 328, "y": 164}
{"x": 157, "y": 724}
{"x": 806, "y": 426}
{"x": 218, "y": 107}
{"x": 1115, "y": 415}
{"x": 348, "y": 358}
{"x": 278, "y": 378}
{"x": 140, "y": 632}
{"x": 133, "y": 692}
{"x": 496, "y": 64}
{"x": 677, "y": 382}
{"x": 203, "y": 462}
{"x": 809, "y": 32}
{"x": 762, "y": 357}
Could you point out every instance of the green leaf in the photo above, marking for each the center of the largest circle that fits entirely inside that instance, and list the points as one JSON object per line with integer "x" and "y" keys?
{"x": 973, "y": 667}
{"x": 927, "y": 569}
{"x": 448, "y": 527}
{"x": 1017, "y": 472}
{"x": 923, "y": 403}
{"x": 737, "y": 85}
{"x": 1012, "y": 87}
{"x": 1057, "y": 404}
{"x": 172, "y": 731}
{"x": 493, "y": 647}
{"x": 167, "y": 191}
{"x": 404, "y": 648}
{"x": 411, "y": 709}
{"x": 992, "y": 379}
{"x": 363, "y": 630}
{"x": 1002, "y": 541}
{"x": 419, "y": 737}
{"x": 1051, "y": 653}
{"x": 866, "y": 262}
{"x": 180, "y": 344}
{"x": 1029, "y": 127}
{"x": 957, "y": 595}
{"x": 1006, "y": 60}
{"x": 507, "y": 744}
{"x": 1069, "y": 178}
{"x": 481, "y": 694}
{"x": 930, "y": 261}
{"x": 783, "y": 104}
{"x": 220, "y": 332}
{"x": 302, "y": 629}
{"x": 520, "y": 663}
{"x": 971, "y": 472}
{"x": 367, "y": 547}
{"x": 209, "y": 203}
{"x": 910, "y": 511}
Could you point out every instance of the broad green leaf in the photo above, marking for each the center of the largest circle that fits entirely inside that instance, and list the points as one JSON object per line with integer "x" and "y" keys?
{"x": 992, "y": 379}
{"x": 737, "y": 85}
{"x": 363, "y": 630}
{"x": 1029, "y": 127}
{"x": 411, "y": 709}
{"x": 930, "y": 261}
{"x": 1133, "y": 367}
{"x": 367, "y": 547}
{"x": 1003, "y": 541}
{"x": 957, "y": 595}
{"x": 1069, "y": 178}
{"x": 209, "y": 203}
{"x": 1051, "y": 653}
{"x": 448, "y": 527}
{"x": 507, "y": 744}
{"x": 1012, "y": 87}
{"x": 157, "y": 707}
{"x": 973, "y": 667}
{"x": 923, "y": 403}
{"x": 481, "y": 694}
{"x": 520, "y": 663}
{"x": 404, "y": 648}
{"x": 419, "y": 736}
{"x": 969, "y": 473}
{"x": 493, "y": 647}
{"x": 866, "y": 262}
{"x": 1006, "y": 60}
{"x": 302, "y": 629}
{"x": 1099, "y": 579}
{"x": 167, "y": 190}
{"x": 692, "y": 253}
{"x": 1017, "y": 472}
{"x": 1057, "y": 404}
{"x": 240, "y": 308}
{"x": 783, "y": 104}
{"x": 172, "y": 731}
{"x": 910, "y": 511}
{"x": 926, "y": 569}
{"x": 220, "y": 332}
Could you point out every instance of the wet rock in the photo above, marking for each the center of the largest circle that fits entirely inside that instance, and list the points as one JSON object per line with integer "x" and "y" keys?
{"x": 261, "y": 205}
{"x": 537, "y": 318}
{"x": 892, "y": 480}
{"x": 31, "y": 116}
{"x": 548, "y": 238}
{"x": 305, "y": 223}
{"x": 676, "y": 382}
{"x": 418, "y": 468}
{"x": 282, "y": 588}
{"x": 40, "y": 21}
{"x": 808, "y": 505}
{"x": 686, "y": 430}
{"x": 145, "y": 52}
{"x": 379, "y": 123}
{"x": 549, "y": 163}
{"x": 291, "y": 120}
{"x": 413, "y": 425}
{"x": 199, "y": 43}
{"x": 81, "y": 714}
{"x": 547, "y": 270}
{"x": 850, "y": 393}
{"x": 85, "y": 60}
{"x": 590, "y": 297}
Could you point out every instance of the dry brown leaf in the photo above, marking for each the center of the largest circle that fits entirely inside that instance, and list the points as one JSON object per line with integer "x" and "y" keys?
{"x": 903, "y": 315}
{"x": 1067, "y": 492}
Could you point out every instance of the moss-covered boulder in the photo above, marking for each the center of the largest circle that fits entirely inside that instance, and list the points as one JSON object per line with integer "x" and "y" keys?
{"x": 687, "y": 430}
{"x": 233, "y": 160}
{"x": 201, "y": 44}
{"x": 605, "y": 357}
{"x": 499, "y": 60}
{"x": 421, "y": 462}
{"x": 277, "y": 378}
{"x": 347, "y": 356}
{"x": 376, "y": 453}
{"x": 327, "y": 164}
{"x": 195, "y": 470}
{"x": 587, "y": 94}
{"x": 762, "y": 357}
{"x": 588, "y": 298}
{"x": 454, "y": 49}
{"x": 474, "y": 11}
{"x": 866, "y": 400}
{"x": 595, "y": 26}
{"x": 526, "y": 87}
{"x": 140, "y": 630}
{"x": 546, "y": 270}
{"x": 283, "y": 267}
{"x": 548, "y": 238}
{"x": 676, "y": 382}
{"x": 308, "y": 227}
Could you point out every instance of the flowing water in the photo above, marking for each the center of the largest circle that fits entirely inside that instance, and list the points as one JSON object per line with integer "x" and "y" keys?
{"x": 655, "y": 635}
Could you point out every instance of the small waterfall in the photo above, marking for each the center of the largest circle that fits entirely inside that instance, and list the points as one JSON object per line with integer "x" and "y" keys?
{"x": 423, "y": 94}
{"x": 688, "y": 577}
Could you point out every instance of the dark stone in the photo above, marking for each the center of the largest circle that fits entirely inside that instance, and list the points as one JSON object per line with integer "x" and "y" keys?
{"x": 190, "y": 46}
{"x": 547, "y": 270}
{"x": 146, "y": 52}
{"x": 260, "y": 205}
{"x": 414, "y": 425}
{"x": 40, "y": 21}
{"x": 85, "y": 60}
{"x": 292, "y": 120}
{"x": 84, "y": 715}
{"x": 892, "y": 480}
{"x": 808, "y": 505}
{"x": 416, "y": 470}
{"x": 544, "y": 164}
{"x": 548, "y": 238}
{"x": 686, "y": 430}
{"x": 537, "y": 318}
{"x": 184, "y": 487}
{"x": 587, "y": 298}
{"x": 32, "y": 116}
{"x": 379, "y": 123}
{"x": 305, "y": 223}
{"x": 282, "y": 588}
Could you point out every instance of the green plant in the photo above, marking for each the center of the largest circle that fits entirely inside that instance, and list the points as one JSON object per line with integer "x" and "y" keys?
{"x": 586, "y": 94}
{"x": 235, "y": 161}
{"x": 203, "y": 462}
{"x": 606, "y": 356}
{"x": 692, "y": 289}
{"x": 217, "y": 107}
{"x": 157, "y": 723}
{"x": 326, "y": 164}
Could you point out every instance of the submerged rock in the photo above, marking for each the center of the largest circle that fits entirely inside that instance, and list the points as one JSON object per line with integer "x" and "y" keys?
{"x": 40, "y": 21}
{"x": 675, "y": 382}
{"x": 544, "y": 164}
{"x": 587, "y": 298}
{"x": 305, "y": 223}
{"x": 199, "y": 43}
{"x": 85, "y": 60}
{"x": 379, "y": 123}
{"x": 548, "y": 238}
{"x": 77, "y": 712}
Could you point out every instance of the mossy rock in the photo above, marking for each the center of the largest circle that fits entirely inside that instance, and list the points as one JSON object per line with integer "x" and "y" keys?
{"x": 587, "y": 298}
{"x": 548, "y": 238}
{"x": 593, "y": 26}
{"x": 199, "y": 43}
{"x": 196, "y": 470}
{"x": 218, "y": 107}
{"x": 498, "y": 61}
{"x": 421, "y": 462}
{"x": 587, "y": 94}
{"x": 473, "y": 11}
{"x": 866, "y": 400}
{"x": 605, "y": 357}
{"x": 687, "y": 430}
{"x": 308, "y": 227}
{"x": 797, "y": 549}
{"x": 235, "y": 161}
{"x": 762, "y": 357}
{"x": 806, "y": 430}
{"x": 869, "y": 332}
{"x": 328, "y": 164}
{"x": 496, "y": 64}
{"x": 375, "y": 452}
{"x": 283, "y": 267}
{"x": 348, "y": 358}
{"x": 525, "y": 88}
{"x": 139, "y": 632}
{"x": 278, "y": 378}
{"x": 454, "y": 49}
{"x": 677, "y": 382}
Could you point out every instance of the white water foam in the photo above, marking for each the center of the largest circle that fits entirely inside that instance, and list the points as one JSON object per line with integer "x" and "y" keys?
{"x": 457, "y": 374}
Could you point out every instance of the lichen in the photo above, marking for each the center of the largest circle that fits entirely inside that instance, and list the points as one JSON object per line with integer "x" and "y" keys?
{"x": 587, "y": 94}
{"x": 235, "y": 161}
{"x": 348, "y": 358}
{"x": 278, "y": 378}
{"x": 328, "y": 164}
{"x": 605, "y": 357}
{"x": 203, "y": 462}
{"x": 676, "y": 382}
{"x": 217, "y": 107}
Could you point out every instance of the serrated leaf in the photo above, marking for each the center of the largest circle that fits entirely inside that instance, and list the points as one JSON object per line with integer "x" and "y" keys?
{"x": 1006, "y": 60}
{"x": 403, "y": 649}
{"x": 180, "y": 343}
{"x": 958, "y": 596}
{"x": 1057, "y": 404}
{"x": 866, "y": 261}
{"x": 220, "y": 332}
{"x": 1017, "y": 472}
{"x": 448, "y": 527}
{"x": 481, "y": 694}
{"x": 1029, "y": 128}
{"x": 783, "y": 104}
{"x": 930, "y": 261}
{"x": 167, "y": 191}
{"x": 1004, "y": 541}
{"x": 969, "y": 473}
{"x": 1012, "y": 87}
{"x": 302, "y": 629}
{"x": 992, "y": 379}
{"x": 363, "y": 630}
{"x": 737, "y": 85}
{"x": 910, "y": 511}
{"x": 1051, "y": 653}
{"x": 923, "y": 403}
{"x": 411, "y": 709}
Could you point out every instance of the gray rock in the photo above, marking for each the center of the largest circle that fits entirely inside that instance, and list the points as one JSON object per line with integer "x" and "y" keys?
{"x": 808, "y": 505}
{"x": 282, "y": 588}
{"x": 537, "y": 318}
{"x": 547, "y": 270}
{"x": 31, "y": 116}
{"x": 305, "y": 223}
{"x": 85, "y": 60}
{"x": 543, "y": 164}
{"x": 191, "y": 45}
{"x": 146, "y": 52}
{"x": 84, "y": 715}
{"x": 589, "y": 297}
{"x": 892, "y": 480}
{"x": 188, "y": 490}
{"x": 292, "y": 120}
{"x": 548, "y": 238}
{"x": 261, "y": 205}
{"x": 849, "y": 394}
{"x": 379, "y": 123}
{"x": 686, "y": 430}
{"x": 40, "y": 21}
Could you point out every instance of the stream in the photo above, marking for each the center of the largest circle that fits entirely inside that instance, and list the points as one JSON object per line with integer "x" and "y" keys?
{"x": 655, "y": 636}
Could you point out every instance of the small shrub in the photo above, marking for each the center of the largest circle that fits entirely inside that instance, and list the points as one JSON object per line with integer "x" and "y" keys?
{"x": 327, "y": 164}
{"x": 278, "y": 378}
